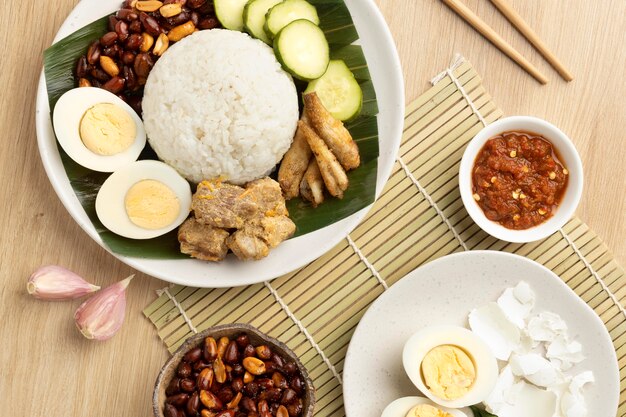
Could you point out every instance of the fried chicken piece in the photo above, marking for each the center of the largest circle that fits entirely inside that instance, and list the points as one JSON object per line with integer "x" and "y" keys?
{"x": 332, "y": 131}
{"x": 256, "y": 238}
{"x": 223, "y": 205}
{"x": 333, "y": 174}
{"x": 312, "y": 184}
{"x": 202, "y": 241}
{"x": 266, "y": 193}
{"x": 294, "y": 165}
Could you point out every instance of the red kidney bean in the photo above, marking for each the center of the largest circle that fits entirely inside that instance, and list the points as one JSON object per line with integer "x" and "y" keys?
{"x": 193, "y": 355}
{"x": 288, "y": 396}
{"x": 150, "y": 24}
{"x": 99, "y": 74}
{"x": 128, "y": 58}
{"x": 178, "y": 400}
{"x": 114, "y": 85}
{"x": 108, "y": 39}
{"x": 127, "y": 14}
{"x": 297, "y": 384}
{"x": 93, "y": 53}
{"x": 122, "y": 30}
{"x": 170, "y": 411}
{"x": 184, "y": 370}
{"x": 143, "y": 64}
{"x": 249, "y": 351}
{"x": 134, "y": 42}
{"x": 208, "y": 23}
{"x": 195, "y": 18}
{"x": 193, "y": 404}
{"x": 187, "y": 385}
{"x": 82, "y": 67}
{"x": 112, "y": 22}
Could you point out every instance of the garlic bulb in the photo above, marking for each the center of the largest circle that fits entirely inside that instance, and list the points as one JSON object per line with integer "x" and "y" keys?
{"x": 53, "y": 282}
{"x": 101, "y": 316}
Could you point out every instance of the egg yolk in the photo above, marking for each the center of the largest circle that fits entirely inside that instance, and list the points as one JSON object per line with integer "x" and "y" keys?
{"x": 448, "y": 372}
{"x": 427, "y": 410}
{"x": 151, "y": 205}
{"x": 107, "y": 129}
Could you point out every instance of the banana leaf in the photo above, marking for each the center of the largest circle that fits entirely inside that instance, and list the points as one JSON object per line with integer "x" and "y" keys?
{"x": 336, "y": 22}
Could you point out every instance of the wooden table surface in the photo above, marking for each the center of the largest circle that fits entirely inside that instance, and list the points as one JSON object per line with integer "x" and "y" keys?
{"x": 48, "y": 369}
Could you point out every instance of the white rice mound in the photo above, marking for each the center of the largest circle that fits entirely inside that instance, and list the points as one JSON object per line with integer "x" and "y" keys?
{"x": 218, "y": 103}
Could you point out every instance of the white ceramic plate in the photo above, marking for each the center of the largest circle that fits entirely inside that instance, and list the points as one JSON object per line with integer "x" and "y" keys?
{"x": 442, "y": 293}
{"x": 384, "y": 66}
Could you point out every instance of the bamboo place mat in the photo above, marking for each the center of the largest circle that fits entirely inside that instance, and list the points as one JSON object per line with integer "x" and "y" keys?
{"x": 418, "y": 218}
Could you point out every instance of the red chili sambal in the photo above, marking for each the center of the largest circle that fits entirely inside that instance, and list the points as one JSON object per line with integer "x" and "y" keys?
{"x": 518, "y": 179}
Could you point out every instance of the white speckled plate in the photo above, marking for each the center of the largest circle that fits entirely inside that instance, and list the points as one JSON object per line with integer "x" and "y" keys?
{"x": 443, "y": 292}
{"x": 384, "y": 66}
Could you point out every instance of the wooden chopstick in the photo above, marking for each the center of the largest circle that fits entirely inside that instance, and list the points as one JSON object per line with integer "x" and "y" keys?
{"x": 521, "y": 25}
{"x": 486, "y": 30}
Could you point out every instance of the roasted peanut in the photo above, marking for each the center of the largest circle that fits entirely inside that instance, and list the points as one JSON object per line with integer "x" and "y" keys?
{"x": 187, "y": 385}
{"x": 282, "y": 412}
{"x": 210, "y": 400}
{"x": 108, "y": 38}
{"x": 220, "y": 370}
{"x": 121, "y": 28}
{"x": 249, "y": 351}
{"x": 243, "y": 340}
{"x": 237, "y": 384}
{"x": 150, "y": 24}
{"x": 170, "y": 411}
{"x": 290, "y": 368}
{"x": 160, "y": 46}
{"x": 222, "y": 344}
{"x": 207, "y": 413}
{"x": 194, "y": 4}
{"x": 147, "y": 41}
{"x": 193, "y": 355}
{"x": 134, "y": 42}
{"x": 210, "y": 349}
{"x": 127, "y": 14}
{"x": 193, "y": 404}
{"x": 248, "y": 377}
{"x": 93, "y": 53}
{"x": 171, "y": 10}
{"x": 109, "y": 66}
{"x": 289, "y": 396}
{"x": 226, "y": 413}
{"x": 279, "y": 380}
{"x": 173, "y": 387}
{"x": 254, "y": 365}
{"x": 114, "y": 85}
{"x": 84, "y": 82}
{"x": 184, "y": 370}
{"x": 143, "y": 64}
{"x": 248, "y": 404}
{"x": 179, "y": 32}
{"x": 205, "y": 379}
{"x": 263, "y": 352}
{"x": 234, "y": 403}
{"x": 148, "y": 5}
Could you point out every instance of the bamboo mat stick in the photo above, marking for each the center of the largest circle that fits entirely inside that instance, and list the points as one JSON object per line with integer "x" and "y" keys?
{"x": 523, "y": 27}
{"x": 477, "y": 23}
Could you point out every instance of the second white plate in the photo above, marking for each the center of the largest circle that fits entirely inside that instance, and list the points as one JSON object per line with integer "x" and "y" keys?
{"x": 442, "y": 293}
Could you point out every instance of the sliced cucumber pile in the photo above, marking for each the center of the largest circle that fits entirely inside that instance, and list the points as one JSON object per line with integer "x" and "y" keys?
{"x": 230, "y": 13}
{"x": 338, "y": 91}
{"x": 286, "y": 12}
{"x": 302, "y": 49}
{"x": 254, "y": 18}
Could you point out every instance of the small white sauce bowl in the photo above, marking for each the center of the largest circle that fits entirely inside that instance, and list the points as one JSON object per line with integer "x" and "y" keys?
{"x": 568, "y": 156}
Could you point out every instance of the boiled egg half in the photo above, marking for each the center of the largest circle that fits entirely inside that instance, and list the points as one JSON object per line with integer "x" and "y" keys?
{"x": 143, "y": 200}
{"x": 450, "y": 365}
{"x": 97, "y": 129}
{"x": 420, "y": 407}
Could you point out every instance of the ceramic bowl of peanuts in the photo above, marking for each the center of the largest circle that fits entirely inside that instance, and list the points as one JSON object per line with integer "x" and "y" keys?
{"x": 233, "y": 370}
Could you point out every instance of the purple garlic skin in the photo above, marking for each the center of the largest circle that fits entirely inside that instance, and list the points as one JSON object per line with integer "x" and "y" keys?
{"x": 101, "y": 316}
{"x": 56, "y": 283}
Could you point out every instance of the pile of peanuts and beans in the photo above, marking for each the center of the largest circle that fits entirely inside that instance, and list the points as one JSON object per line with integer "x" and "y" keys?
{"x": 233, "y": 378}
{"x": 139, "y": 33}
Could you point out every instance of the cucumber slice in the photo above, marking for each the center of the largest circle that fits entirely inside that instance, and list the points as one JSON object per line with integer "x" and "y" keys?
{"x": 286, "y": 12}
{"x": 254, "y": 18}
{"x": 302, "y": 49}
{"x": 338, "y": 91}
{"x": 230, "y": 13}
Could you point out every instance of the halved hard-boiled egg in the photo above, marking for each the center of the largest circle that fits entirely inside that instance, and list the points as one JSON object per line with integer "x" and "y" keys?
{"x": 97, "y": 129}
{"x": 450, "y": 365}
{"x": 143, "y": 200}
{"x": 420, "y": 407}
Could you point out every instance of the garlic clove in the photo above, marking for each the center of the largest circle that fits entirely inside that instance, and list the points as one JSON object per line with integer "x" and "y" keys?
{"x": 52, "y": 282}
{"x": 101, "y": 316}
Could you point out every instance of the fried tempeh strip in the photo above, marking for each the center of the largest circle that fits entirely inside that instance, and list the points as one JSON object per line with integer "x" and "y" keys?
{"x": 332, "y": 131}
{"x": 312, "y": 185}
{"x": 294, "y": 165}
{"x": 333, "y": 174}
